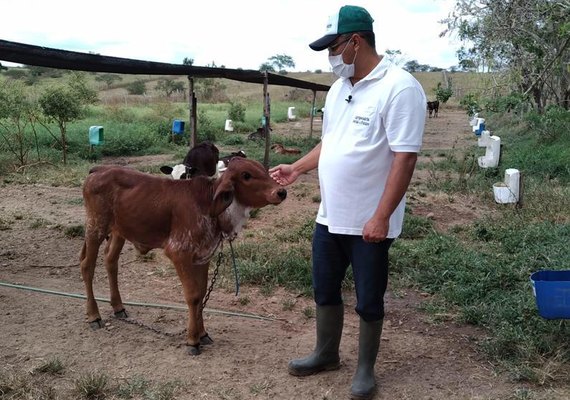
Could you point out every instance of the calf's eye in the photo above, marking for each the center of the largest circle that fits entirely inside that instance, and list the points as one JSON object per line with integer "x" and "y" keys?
{"x": 246, "y": 176}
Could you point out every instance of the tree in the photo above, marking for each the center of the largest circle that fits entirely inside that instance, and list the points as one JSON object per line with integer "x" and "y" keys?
{"x": 278, "y": 62}
{"x": 266, "y": 67}
{"x": 282, "y": 61}
{"x": 528, "y": 39}
{"x": 109, "y": 79}
{"x": 136, "y": 87}
{"x": 17, "y": 128}
{"x": 412, "y": 66}
{"x": 188, "y": 61}
{"x": 169, "y": 86}
{"x": 394, "y": 56}
{"x": 210, "y": 89}
{"x": 63, "y": 104}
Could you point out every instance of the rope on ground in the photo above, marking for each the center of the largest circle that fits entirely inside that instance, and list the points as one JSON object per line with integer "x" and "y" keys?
{"x": 136, "y": 303}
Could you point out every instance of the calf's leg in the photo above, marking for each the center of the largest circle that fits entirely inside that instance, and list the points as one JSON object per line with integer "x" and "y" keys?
{"x": 112, "y": 253}
{"x": 88, "y": 261}
{"x": 194, "y": 282}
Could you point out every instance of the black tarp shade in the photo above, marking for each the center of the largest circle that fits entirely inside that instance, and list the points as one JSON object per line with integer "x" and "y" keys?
{"x": 53, "y": 58}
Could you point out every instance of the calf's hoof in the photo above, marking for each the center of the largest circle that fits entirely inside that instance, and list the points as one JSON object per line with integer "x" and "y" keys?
{"x": 193, "y": 350}
{"x": 97, "y": 324}
{"x": 206, "y": 340}
{"x": 121, "y": 314}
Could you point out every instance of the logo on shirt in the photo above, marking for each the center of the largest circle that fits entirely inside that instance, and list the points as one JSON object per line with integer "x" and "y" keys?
{"x": 361, "y": 120}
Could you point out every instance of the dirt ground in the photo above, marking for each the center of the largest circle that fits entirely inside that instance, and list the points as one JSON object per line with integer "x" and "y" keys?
{"x": 418, "y": 359}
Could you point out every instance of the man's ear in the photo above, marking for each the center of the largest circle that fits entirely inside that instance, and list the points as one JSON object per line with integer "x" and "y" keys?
{"x": 223, "y": 196}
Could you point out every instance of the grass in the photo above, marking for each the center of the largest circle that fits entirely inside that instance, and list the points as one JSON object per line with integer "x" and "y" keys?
{"x": 51, "y": 380}
{"x": 53, "y": 366}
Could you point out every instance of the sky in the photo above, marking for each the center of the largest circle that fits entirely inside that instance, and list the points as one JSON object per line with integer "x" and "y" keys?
{"x": 233, "y": 34}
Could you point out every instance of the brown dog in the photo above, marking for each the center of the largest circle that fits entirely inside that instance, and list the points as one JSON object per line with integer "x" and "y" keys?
{"x": 186, "y": 218}
{"x": 280, "y": 149}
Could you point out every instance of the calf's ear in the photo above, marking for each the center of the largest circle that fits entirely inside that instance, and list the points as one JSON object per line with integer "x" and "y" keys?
{"x": 223, "y": 196}
{"x": 191, "y": 172}
{"x": 165, "y": 169}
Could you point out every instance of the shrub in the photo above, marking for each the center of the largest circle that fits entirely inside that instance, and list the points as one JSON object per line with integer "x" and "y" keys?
{"x": 442, "y": 94}
{"x": 236, "y": 112}
{"x": 136, "y": 87}
{"x": 206, "y": 129}
{"x": 470, "y": 103}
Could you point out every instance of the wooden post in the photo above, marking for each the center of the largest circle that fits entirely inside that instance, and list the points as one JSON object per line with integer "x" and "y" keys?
{"x": 520, "y": 200}
{"x": 312, "y": 113}
{"x": 192, "y": 113}
{"x": 267, "y": 115}
{"x": 194, "y": 120}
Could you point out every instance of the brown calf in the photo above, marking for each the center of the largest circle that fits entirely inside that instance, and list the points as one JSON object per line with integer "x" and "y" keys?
{"x": 186, "y": 218}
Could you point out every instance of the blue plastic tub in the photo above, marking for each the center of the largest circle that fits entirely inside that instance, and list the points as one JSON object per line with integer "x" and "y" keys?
{"x": 552, "y": 292}
{"x": 178, "y": 127}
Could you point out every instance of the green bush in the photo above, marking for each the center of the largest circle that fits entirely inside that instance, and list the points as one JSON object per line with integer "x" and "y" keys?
{"x": 470, "y": 104}
{"x": 130, "y": 141}
{"x": 236, "y": 112}
{"x": 206, "y": 129}
{"x": 443, "y": 94}
{"x": 136, "y": 87}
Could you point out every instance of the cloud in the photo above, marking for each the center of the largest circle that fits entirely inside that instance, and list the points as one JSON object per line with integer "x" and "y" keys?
{"x": 234, "y": 34}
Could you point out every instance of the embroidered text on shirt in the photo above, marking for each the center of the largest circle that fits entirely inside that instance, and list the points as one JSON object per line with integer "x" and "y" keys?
{"x": 361, "y": 120}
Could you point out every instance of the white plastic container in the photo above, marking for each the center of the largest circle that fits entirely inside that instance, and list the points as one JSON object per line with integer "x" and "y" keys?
{"x": 508, "y": 191}
{"x": 229, "y": 125}
{"x": 291, "y": 114}
{"x": 492, "y": 146}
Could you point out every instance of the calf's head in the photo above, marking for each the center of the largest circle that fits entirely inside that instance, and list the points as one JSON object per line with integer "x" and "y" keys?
{"x": 248, "y": 183}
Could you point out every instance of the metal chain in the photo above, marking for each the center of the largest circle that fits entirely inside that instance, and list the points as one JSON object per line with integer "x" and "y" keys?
{"x": 132, "y": 321}
{"x": 214, "y": 276}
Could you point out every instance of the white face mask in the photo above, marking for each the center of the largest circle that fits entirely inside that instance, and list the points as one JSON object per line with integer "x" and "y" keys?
{"x": 339, "y": 67}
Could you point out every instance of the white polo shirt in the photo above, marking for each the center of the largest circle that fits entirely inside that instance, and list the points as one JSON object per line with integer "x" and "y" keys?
{"x": 385, "y": 115}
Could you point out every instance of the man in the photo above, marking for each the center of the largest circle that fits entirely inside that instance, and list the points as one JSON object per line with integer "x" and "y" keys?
{"x": 372, "y": 132}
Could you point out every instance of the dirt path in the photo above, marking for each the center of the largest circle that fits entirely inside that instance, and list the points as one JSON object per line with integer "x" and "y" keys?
{"x": 418, "y": 360}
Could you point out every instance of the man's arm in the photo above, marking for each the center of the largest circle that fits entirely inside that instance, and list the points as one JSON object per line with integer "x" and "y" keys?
{"x": 399, "y": 177}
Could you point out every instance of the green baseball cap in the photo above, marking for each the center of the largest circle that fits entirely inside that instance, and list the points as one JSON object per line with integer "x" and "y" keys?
{"x": 348, "y": 19}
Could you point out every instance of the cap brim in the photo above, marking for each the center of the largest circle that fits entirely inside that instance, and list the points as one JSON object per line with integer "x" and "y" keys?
{"x": 323, "y": 43}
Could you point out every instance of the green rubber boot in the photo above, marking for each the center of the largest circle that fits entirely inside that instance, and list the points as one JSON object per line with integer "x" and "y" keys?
{"x": 325, "y": 357}
{"x": 363, "y": 382}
